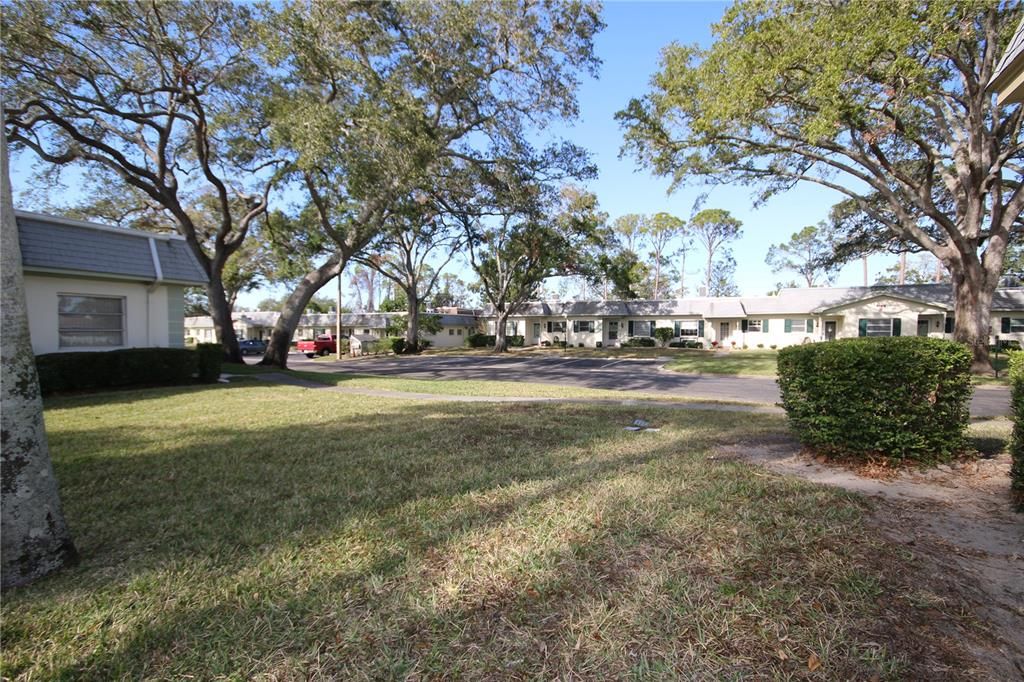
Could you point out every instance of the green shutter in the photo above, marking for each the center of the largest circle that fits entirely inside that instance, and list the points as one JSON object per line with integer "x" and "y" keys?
{"x": 787, "y": 325}
{"x": 1005, "y": 322}
{"x": 764, "y": 326}
{"x": 650, "y": 331}
{"x": 862, "y": 327}
{"x": 676, "y": 328}
{"x": 897, "y": 325}
{"x": 743, "y": 325}
{"x": 700, "y": 328}
{"x": 629, "y": 326}
{"x": 810, "y": 326}
{"x": 575, "y": 326}
{"x": 949, "y": 325}
{"x": 549, "y": 326}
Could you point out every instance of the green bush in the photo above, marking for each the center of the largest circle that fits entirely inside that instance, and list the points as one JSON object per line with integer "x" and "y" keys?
{"x": 895, "y": 397}
{"x": 209, "y": 357}
{"x": 1017, "y": 440}
{"x": 79, "y": 371}
{"x": 516, "y": 341}
{"x": 396, "y": 344}
{"x": 480, "y": 340}
{"x": 663, "y": 334}
{"x": 640, "y": 342}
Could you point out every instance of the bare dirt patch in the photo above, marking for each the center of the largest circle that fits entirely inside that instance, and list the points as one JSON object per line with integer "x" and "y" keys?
{"x": 955, "y": 529}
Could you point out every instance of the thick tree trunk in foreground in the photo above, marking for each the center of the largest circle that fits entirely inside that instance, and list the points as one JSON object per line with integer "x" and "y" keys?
{"x": 284, "y": 329}
{"x": 223, "y": 325}
{"x": 972, "y": 305}
{"x": 34, "y": 538}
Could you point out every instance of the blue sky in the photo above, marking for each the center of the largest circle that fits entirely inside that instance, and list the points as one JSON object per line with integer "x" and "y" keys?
{"x": 630, "y": 47}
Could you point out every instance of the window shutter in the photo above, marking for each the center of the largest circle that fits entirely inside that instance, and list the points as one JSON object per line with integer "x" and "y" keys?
{"x": 549, "y": 326}
{"x": 897, "y": 325}
{"x": 743, "y": 325}
{"x": 675, "y": 328}
{"x": 1005, "y": 322}
{"x": 700, "y": 328}
{"x": 650, "y": 330}
{"x": 575, "y": 326}
{"x": 810, "y": 326}
{"x": 764, "y": 326}
{"x": 862, "y": 327}
{"x": 629, "y": 326}
{"x": 787, "y": 326}
{"x": 949, "y": 325}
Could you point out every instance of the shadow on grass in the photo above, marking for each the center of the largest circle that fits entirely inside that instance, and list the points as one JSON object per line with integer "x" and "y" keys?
{"x": 438, "y": 539}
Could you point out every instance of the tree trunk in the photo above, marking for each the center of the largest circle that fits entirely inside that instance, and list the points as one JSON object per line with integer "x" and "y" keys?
{"x": 284, "y": 329}
{"x": 412, "y": 330}
{"x": 707, "y": 279}
{"x": 864, "y": 260}
{"x": 223, "y": 325}
{"x": 972, "y": 301}
{"x": 902, "y": 279}
{"x": 682, "y": 276}
{"x": 500, "y": 336}
{"x": 34, "y": 538}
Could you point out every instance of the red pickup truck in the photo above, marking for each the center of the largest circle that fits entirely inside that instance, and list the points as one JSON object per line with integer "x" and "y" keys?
{"x": 325, "y": 344}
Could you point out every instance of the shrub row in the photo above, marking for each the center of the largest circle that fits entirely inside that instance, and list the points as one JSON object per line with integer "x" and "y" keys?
{"x": 128, "y": 367}
{"x": 640, "y": 342}
{"x": 896, "y": 397}
{"x": 488, "y": 340}
{"x": 1017, "y": 440}
{"x": 686, "y": 344}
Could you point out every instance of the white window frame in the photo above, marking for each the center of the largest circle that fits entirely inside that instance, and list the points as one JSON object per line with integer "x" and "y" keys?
{"x": 647, "y": 324}
{"x": 798, "y": 326}
{"x": 754, "y": 326}
{"x": 881, "y": 324}
{"x": 589, "y": 324}
{"x": 685, "y": 332}
{"x": 555, "y": 328}
{"x": 71, "y": 331}
{"x": 1016, "y": 325}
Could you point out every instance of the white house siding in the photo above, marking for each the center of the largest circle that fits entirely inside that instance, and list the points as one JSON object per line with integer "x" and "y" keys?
{"x": 146, "y": 313}
{"x": 906, "y": 312}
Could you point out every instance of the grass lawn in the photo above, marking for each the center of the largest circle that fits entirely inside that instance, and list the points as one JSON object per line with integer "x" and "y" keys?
{"x": 258, "y": 531}
{"x": 737, "y": 362}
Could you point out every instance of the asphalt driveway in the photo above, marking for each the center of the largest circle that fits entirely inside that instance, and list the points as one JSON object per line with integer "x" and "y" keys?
{"x": 642, "y": 375}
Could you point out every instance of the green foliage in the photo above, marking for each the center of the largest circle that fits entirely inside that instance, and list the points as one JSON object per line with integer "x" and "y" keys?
{"x": 903, "y": 398}
{"x": 640, "y": 342}
{"x": 59, "y": 372}
{"x": 804, "y": 254}
{"x": 480, "y": 340}
{"x": 395, "y": 343}
{"x": 664, "y": 334}
{"x": 209, "y": 361}
{"x": 1017, "y": 440}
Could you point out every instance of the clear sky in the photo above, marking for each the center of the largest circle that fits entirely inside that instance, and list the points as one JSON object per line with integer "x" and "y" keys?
{"x": 630, "y": 47}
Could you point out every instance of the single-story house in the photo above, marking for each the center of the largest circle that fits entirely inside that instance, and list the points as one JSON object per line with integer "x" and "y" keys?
{"x": 791, "y": 317}
{"x": 92, "y": 287}
{"x": 259, "y": 324}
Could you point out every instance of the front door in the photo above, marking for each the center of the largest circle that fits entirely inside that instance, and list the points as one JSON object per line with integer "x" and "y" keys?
{"x": 723, "y": 333}
{"x": 830, "y": 331}
{"x": 922, "y": 327}
{"x": 536, "y": 333}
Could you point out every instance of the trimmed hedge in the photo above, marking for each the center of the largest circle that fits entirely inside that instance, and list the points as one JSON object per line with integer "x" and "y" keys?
{"x": 1017, "y": 439}
{"x": 210, "y": 357}
{"x": 686, "y": 344}
{"x": 128, "y": 367}
{"x": 640, "y": 342}
{"x": 904, "y": 398}
{"x": 480, "y": 340}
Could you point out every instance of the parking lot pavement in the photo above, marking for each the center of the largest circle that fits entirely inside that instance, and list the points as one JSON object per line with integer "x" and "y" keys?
{"x": 623, "y": 374}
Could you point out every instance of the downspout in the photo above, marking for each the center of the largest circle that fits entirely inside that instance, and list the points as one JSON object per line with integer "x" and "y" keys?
{"x": 152, "y": 287}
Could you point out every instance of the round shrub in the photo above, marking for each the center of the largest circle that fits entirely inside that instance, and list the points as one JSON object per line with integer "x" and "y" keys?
{"x": 903, "y": 398}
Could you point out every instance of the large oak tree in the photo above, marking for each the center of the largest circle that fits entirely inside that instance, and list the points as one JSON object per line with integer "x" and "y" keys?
{"x": 165, "y": 97}
{"x": 379, "y": 100}
{"x": 885, "y": 103}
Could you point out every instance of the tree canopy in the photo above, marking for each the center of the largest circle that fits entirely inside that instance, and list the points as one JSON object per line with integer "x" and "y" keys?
{"x": 892, "y": 114}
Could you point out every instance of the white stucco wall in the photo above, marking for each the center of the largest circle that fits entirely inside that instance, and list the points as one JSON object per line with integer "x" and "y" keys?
{"x": 146, "y": 312}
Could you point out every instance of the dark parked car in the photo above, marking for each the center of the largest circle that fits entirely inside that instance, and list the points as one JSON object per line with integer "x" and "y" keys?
{"x": 253, "y": 347}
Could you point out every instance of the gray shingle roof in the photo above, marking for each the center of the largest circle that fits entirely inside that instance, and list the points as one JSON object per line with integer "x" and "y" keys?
{"x": 54, "y": 244}
{"x": 697, "y": 307}
{"x": 267, "y": 318}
